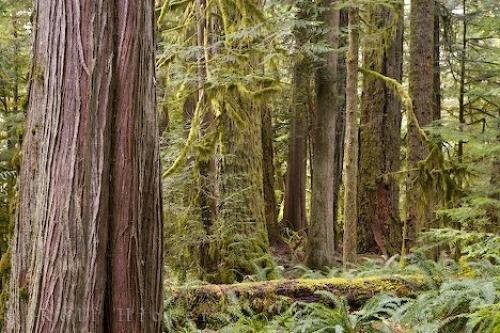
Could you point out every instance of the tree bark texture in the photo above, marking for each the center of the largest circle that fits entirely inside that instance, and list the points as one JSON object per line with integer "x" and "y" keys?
{"x": 379, "y": 228}
{"x": 294, "y": 214}
{"x": 87, "y": 241}
{"x": 437, "y": 66}
{"x": 351, "y": 143}
{"x": 421, "y": 91}
{"x": 321, "y": 233}
{"x": 338, "y": 148}
{"x": 268, "y": 176}
{"x": 207, "y": 165}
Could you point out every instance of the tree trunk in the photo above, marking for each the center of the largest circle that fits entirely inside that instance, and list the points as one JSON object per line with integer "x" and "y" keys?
{"x": 268, "y": 174}
{"x": 379, "y": 228}
{"x": 463, "y": 70}
{"x": 338, "y": 148}
{"x": 207, "y": 165}
{"x": 245, "y": 238}
{"x": 351, "y": 143}
{"x": 437, "y": 66}
{"x": 321, "y": 236}
{"x": 87, "y": 241}
{"x": 294, "y": 214}
{"x": 421, "y": 91}
{"x": 243, "y": 210}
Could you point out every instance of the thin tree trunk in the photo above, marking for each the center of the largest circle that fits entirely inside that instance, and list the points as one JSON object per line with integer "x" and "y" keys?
{"x": 87, "y": 241}
{"x": 294, "y": 214}
{"x": 321, "y": 236}
{"x": 268, "y": 174}
{"x": 206, "y": 164}
{"x": 379, "y": 228}
{"x": 338, "y": 149}
{"x": 421, "y": 92}
{"x": 351, "y": 143}
{"x": 437, "y": 67}
{"x": 295, "y": 185}
{"x": 461, "y": 97}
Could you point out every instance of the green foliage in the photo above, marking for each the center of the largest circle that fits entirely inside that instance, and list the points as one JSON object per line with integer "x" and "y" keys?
{"x": 455, "y": 302}
{"x": 14, "y": 66}
{"x": 236, "y": 68}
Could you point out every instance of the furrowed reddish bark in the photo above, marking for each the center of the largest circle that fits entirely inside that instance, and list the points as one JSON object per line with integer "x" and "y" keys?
{"x": 86, "y": 252}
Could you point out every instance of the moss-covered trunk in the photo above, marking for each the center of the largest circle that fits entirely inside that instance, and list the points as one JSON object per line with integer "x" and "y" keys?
{"x": 380, "y": 229}
{"x": 245, "y": 243}
{"x": 204, "y": 304}
{"x": 351, "y": 142}
{"x": 422, "y": 93}
{"x": 321, "y": 233}
{"x": 268, "y": 176}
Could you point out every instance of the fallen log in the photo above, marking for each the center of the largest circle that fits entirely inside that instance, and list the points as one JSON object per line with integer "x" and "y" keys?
{"x": 205, "y": 302}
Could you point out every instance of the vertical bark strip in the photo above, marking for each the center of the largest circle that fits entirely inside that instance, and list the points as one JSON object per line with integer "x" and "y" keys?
{"x": 421, "y": 92}
{"x": 135, "y": 207}
{"x": 351, "y": 145}
{"x": 206, "y": 164}
{"x": 268, "y": 176}
{"x": 294, "y": 214}
{"x": 89, "y": 183}
{"x": 338, "y": 148}
{"x": 321, "y": 237}
{"x": 379, "y": 228}
{"x": 437, "y": 66}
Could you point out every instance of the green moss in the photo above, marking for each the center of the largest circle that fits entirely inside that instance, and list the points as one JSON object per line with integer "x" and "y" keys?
{"x": 24, "y": 293}
{"x": 5, "y": 265}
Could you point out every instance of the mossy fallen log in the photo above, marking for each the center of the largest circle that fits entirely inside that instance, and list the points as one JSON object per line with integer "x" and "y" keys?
{"x": 204, "y": 304}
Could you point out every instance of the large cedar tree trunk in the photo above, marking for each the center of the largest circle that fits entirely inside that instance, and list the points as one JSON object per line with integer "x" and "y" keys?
{"x": 321, "y": 235}
{"x": 87, "y": 241}
{"x": 421, "y": 90}
{"x": 379, "y": 228}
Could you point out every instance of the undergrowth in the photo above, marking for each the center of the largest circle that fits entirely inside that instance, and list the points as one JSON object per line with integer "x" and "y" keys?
{"x": 462, "y": 296}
